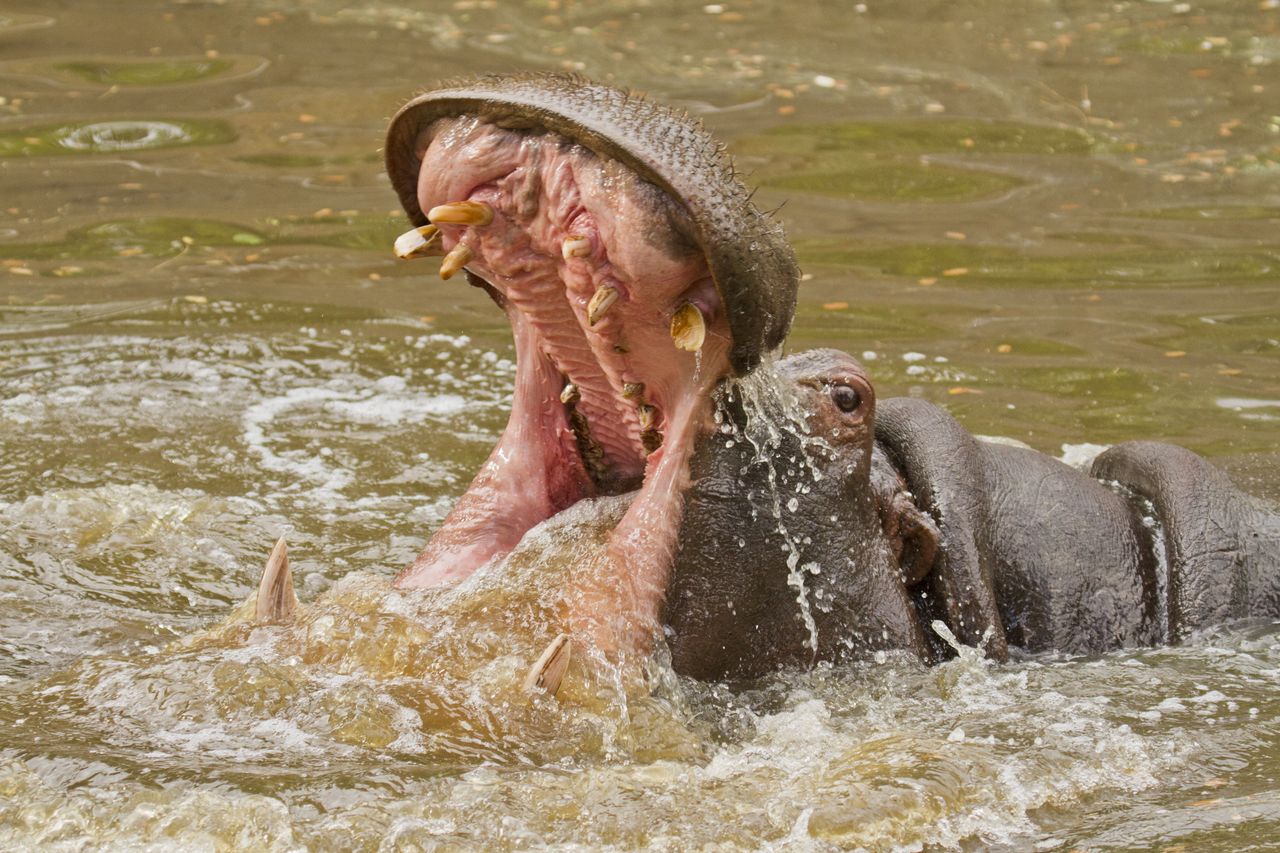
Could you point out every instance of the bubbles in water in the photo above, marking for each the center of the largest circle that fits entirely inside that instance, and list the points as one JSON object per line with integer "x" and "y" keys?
{"x": 121, "y": 135}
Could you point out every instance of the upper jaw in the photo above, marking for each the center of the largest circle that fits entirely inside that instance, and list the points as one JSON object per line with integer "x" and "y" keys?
{"x": 752, "y": 267}
{"x": 596, "y": 264}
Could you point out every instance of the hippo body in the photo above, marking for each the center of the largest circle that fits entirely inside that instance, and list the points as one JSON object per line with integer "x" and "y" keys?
{"x": 911, "y": 519}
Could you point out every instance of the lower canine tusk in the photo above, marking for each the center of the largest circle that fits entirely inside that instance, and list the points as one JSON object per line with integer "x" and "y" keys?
{"x": 549, "y": 671}
{"x": 688, "y": 328}
{"x": 277, "y": 602}
{"x": 458, "y": 258}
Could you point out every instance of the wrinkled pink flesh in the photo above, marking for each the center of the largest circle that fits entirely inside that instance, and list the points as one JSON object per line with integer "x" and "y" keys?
{"x": 544, "y": 189}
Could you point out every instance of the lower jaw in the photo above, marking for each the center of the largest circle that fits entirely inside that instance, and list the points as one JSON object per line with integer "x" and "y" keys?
{"x": 617, "y": 608}
{"x": 536, "y": 471}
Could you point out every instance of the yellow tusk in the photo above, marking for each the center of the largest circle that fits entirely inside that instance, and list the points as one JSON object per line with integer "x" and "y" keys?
{"x": 575, "y": 246}
{"x": 418, "y": 243}
{"x": 461, "y": 213}
{"x": 458, "y": 258}
{"x": 688, "y": 328}
{"x": 600, "y": 303}
{"x": 645, "y": 412}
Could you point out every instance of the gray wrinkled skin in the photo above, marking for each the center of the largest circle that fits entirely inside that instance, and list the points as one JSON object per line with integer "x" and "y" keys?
{"x": 1043, "y": 555}
{"x": 752, "y": 263}
{"x": 733, "y": 606}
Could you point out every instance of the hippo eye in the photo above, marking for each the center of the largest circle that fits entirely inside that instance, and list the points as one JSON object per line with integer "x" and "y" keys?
{"x": 846, "y": 398}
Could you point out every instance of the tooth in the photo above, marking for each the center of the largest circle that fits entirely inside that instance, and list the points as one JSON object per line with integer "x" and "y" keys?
{"x": 575, "y": 246}
{"x": 688, "y": 328}
{"x": 549, "y": 671}
{"x": 570, "y": 394}
{"x": 601, "y": 302}
{"x": 646, "y": 412}
{"x": 461, "y": 213}
{"x": 454, "y": 261}
{"x": 276, "y": 600}
{"x": 418, "y": 243}
{"x": 632, "y": 390}
{"x": 651, "y": 439}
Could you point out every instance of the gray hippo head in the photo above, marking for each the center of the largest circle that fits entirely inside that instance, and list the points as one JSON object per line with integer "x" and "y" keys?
{"x": 798, "y": 544}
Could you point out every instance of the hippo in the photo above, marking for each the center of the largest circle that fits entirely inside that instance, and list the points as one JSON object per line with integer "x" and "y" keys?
{"x": 636, "y": 275}
{"x": 849, "y": 534}
{"x": 777, "y": 518}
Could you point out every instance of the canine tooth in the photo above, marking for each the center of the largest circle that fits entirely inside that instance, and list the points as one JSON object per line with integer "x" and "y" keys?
{"x": 575, "y": 246}
{"x": 688, "y": 328}
{"x": 600, "y": 303}
{"x": 632, "y": 390}
{"x": 549, "y": 670}
{"x": 646, "y": 413}
{"x": 461, "y": 213}
{"x": 276, "y": 600}
{"x": 454, "y": 261}
{"x": 570, "y": 394}
{"x": 418, "y": 243}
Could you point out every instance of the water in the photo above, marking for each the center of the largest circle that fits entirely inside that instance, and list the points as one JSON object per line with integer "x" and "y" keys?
{"x": 1058, "y": 220}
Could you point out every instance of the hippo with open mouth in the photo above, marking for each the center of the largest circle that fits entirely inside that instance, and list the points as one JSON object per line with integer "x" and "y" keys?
{"x": 636, "y": 275}
{"x": 777, "y": 518}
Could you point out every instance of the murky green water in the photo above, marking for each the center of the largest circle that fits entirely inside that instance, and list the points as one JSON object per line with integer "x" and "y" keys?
{"x": 1059, "y": 220}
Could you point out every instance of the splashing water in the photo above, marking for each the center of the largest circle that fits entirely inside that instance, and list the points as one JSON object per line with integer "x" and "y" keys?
{"x": 775, "y": 426}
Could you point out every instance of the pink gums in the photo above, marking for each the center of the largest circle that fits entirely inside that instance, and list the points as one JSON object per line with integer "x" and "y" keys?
{"x": 544, "y": 190}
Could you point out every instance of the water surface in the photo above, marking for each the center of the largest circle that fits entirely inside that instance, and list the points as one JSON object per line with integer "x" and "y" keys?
{"x": 1058, "y": 220}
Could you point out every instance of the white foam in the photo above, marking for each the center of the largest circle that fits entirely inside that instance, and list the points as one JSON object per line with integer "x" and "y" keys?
{"x": 1081, "y": 455}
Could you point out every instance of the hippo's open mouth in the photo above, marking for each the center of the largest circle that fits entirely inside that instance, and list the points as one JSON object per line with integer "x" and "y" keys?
{"x": 635, "y": 274}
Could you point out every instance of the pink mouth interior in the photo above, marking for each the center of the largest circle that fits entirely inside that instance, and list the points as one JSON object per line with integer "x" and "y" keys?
{"x": 623, "y": 233}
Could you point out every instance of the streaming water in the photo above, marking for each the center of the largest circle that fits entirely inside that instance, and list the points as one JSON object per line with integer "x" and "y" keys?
{"x": 1056, "y": 219}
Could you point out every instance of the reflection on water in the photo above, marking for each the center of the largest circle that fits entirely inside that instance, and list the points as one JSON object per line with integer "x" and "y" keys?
{"x": 1057, "y": 221}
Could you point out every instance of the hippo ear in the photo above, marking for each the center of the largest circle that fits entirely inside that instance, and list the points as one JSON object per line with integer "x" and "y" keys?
{"x": 940, "y": 462}
{"x": 919, "y": 537}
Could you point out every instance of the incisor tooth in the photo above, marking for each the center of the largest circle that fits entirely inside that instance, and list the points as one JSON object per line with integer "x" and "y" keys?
{"x": 600, "y": 303}
{"x": 631, "y": 390}
{"x": 549, "y": 670}
{"x": 454, "y": 261}
{"x": 645, "y": 412}
{"x": 461, "y": 213}
{"x": 418, "y": 243}
{"x": 575, "y": 246}
{"x": 688, "y": 328}
{"x": 570, "y": 394}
